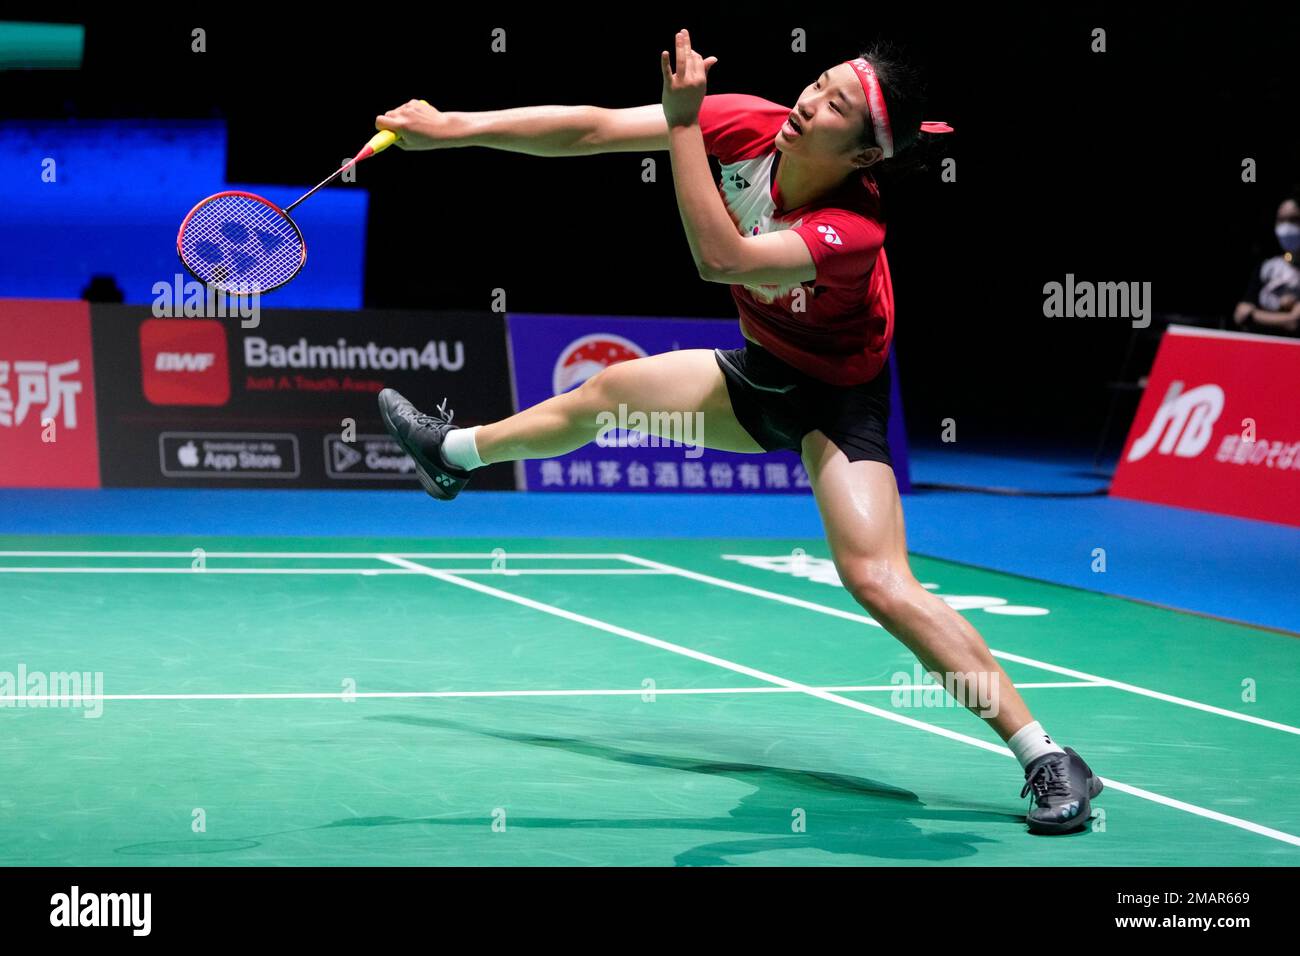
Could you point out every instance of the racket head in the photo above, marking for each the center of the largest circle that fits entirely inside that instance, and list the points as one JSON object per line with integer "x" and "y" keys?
{"x": 240, "y": 243}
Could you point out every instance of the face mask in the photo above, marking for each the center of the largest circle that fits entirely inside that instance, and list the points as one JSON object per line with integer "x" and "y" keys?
{"x": 1288, "y": 237}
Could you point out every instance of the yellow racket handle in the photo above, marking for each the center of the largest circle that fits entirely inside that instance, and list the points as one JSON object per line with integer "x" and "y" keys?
{"x": 381, "y": 141}
{"x": 384, "y": 138}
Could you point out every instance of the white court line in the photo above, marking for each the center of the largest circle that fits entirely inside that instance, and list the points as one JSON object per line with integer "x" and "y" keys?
{"x": 505, "y": 572}
{"x": 685, "y": 651}
{"x": 435, "y": 694}
{"x": 1004, "y": 655}
{"x": 199, "y": 572}
{"x": 833, "y": 698}
{"x": 646, "y": 564}
{"x": 1146, "y": 692}
{"x": 509, "y": 555}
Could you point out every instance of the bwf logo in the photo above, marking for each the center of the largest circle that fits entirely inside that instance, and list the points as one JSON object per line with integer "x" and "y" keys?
{"x": 103, "y": 909}
{"x": 184, "y": 362}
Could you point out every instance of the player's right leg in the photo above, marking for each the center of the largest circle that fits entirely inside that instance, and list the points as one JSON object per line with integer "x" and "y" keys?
{"x": 664, "y": 388}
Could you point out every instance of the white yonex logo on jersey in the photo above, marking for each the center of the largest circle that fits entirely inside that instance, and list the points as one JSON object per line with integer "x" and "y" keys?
{"x": 829, "y": 234}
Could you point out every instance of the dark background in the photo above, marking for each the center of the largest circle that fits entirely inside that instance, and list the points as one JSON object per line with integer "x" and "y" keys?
{"x": 1119, "y": 166}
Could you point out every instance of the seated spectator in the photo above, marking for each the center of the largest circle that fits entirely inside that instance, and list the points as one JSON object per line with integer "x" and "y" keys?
{"x": 1272, "y": 300}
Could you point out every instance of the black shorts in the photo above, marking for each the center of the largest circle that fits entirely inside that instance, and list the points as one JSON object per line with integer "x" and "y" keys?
{"x": 778, "y": 404}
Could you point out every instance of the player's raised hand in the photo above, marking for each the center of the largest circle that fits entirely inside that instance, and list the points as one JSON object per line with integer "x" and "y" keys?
{"x": 684, "y": 87}
{"x": 418, "y": 125}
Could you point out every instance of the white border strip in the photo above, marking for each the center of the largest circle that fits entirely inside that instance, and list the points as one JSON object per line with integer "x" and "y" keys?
{"x": 338, "y": 555}
{"x": 1194, "y": 331}
{"x": 437, "y": 694}
{"x": 365, "y": 572}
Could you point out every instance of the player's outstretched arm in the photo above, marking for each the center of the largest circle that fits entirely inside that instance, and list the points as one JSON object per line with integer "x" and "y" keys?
{"x": 535, "y": 130}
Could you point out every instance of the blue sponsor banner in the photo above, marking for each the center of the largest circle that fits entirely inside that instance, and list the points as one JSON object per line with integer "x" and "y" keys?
{"x": 551, "y": 354}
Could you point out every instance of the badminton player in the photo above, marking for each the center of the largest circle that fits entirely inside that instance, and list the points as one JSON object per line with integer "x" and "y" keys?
{"x": 795, "y": 229}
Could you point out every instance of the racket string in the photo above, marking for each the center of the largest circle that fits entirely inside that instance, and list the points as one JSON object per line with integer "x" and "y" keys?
{"x": 241, "y": 243}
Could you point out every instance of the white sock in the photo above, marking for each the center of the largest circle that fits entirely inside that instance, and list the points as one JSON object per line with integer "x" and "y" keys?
{"x": 459, "y": 449}
{"x": 1030, "y": 742}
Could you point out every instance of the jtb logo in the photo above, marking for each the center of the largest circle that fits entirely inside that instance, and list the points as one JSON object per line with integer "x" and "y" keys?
{"x": 1185, "y": 420}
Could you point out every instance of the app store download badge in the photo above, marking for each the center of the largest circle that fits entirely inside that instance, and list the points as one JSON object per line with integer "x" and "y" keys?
{"x": 228, "y": 455}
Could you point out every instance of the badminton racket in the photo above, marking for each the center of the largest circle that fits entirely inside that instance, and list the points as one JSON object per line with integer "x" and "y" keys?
{"x": 243, "y": 244}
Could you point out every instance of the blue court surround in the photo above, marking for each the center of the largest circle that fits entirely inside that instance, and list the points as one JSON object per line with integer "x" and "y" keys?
{"x": 1228, "y": 567}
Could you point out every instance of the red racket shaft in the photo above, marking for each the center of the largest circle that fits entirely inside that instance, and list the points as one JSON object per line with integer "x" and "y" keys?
{"x": 378, "y": 143}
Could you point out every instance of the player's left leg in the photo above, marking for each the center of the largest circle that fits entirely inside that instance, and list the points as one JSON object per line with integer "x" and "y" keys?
{"x": 863, "y": 517}
{"x": 664, "y": 388}
{"x": 681, "y": 394}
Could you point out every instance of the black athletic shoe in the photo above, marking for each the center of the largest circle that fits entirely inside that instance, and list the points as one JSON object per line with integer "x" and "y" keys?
{"x": 1063, "y": 786}
{"x": 421, "y": 436}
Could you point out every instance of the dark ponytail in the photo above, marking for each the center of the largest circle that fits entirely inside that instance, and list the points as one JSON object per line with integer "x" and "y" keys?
{"x": 903, "y": 87}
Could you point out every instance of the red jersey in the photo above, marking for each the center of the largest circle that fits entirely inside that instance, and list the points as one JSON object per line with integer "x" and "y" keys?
{"x": 842, "y": 335}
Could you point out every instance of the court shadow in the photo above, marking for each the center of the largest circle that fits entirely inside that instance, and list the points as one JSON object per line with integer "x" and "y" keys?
{"x": 841, "y": 815}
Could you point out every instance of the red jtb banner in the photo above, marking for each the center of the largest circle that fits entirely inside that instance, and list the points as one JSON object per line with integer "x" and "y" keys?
{"x": 1218, "y": 428}
{"x": 47, "y": 396}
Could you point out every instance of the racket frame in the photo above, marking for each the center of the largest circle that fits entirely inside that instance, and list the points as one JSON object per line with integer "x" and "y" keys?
{"x": 302, "y": 260}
